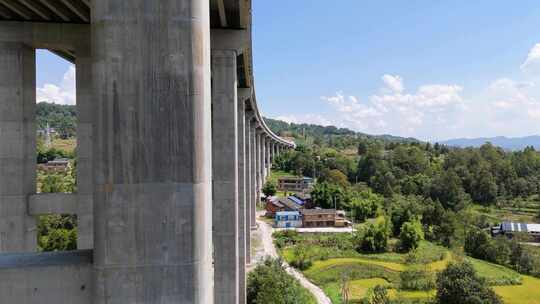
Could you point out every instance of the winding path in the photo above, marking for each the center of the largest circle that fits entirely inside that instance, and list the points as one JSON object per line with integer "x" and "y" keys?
{"x": 270, "y": 250}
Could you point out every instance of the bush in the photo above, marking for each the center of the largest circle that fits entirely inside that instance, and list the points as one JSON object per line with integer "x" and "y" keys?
{"x": 270, "y": 283}
{"x": 285, "y": 238}
{"x": 365, "y": 204}
{"x": 302, "y": 257}
{"x": 373, "y": 237}
{"x": 270, "y": 188}
{"x": 378, "y": 295}
{"x": 417, "y": 278}
{"x": 477, "y": 244}
{"x": 460, "y": 284}
{"x": 412, "y": 233}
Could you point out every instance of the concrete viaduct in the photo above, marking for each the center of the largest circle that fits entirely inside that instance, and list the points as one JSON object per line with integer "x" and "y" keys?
{"x": 172, "y": 151}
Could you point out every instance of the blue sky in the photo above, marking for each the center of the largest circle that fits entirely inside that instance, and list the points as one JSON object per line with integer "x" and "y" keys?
{"x": 426, "y": 69}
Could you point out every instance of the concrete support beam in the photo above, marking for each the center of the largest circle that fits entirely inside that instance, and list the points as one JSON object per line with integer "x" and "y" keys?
{"x": 250, "y": 181}
{"x": 242, "y": 199}
{"x": 85, "y": 117}
{"x": 152, "y": 152}
{"x": 37, "y": 278}
{"x": 225, "y": 176}
{"x": 52, "y": 203}
{"x": 46, "y": 35}
{"x": 226, "y": 39}
{"x": 17, "y": 146}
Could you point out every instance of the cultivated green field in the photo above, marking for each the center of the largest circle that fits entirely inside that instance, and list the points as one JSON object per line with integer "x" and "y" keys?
{"x": 362, "y": 272}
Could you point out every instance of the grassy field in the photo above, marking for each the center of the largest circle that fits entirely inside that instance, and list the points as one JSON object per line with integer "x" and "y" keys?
{"x": 67, "y": 145}
{"x": 516, "y": 210}
{"x": 362, "y": 272}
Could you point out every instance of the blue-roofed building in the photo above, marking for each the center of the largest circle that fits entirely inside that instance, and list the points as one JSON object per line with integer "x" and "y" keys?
{"x": 511, "y": 228}
{"x": 288, "y": 219}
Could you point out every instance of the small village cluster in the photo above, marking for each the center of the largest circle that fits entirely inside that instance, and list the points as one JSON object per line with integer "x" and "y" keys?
{"x": 297, "y": 209}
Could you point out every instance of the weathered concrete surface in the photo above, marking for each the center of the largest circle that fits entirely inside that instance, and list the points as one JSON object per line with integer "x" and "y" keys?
{"x": 152, "y": 152}
{"x": 225, "y": 176}
{"x": 257, "y": 174}
{"x": 242, "y": 199}
{"x": 17, "y": 146}
{"x": 250, "y": 182}
{"x": 264, "y": 157}
{"x": 45, "y": 35}
{"x": 52, "y": 203}
{"x": 85, "y": 119}
{"x": 32, "y": 278}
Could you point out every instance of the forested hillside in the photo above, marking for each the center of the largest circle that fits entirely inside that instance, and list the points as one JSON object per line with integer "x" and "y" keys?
{"x": 329, "y": 135}
{"x": 417, "y": 204}
{"x": 62, "y": 118}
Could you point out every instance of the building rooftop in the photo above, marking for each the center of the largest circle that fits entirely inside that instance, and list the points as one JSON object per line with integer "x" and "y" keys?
{"x": 283, "y": 213}
{"x": 318, "y": 211}
{"x": 520, "y": 227}
{"x": 290, "y": 204}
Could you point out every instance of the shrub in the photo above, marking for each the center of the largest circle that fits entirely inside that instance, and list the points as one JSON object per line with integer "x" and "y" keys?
{"x": 270, "y": 283}
{"x": 412, "y": 233}
{"x": 477, "y": 243}
{"x": 373, "y": 237}
{"x": 378, "y": 295}
{"x": 365, "y": 204}
{"x": 302, "y": 257}
{"x": 417, "y": 278}
{"x": 270, "y": 188}
{"x": 460, "y": 284}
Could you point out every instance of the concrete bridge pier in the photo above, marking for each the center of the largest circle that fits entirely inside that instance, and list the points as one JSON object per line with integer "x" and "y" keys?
{"x": 250, "y": 153}
{"x": 152, "y": 149}
{"x": 17, "y": 146}
{"x": 225, "y": 176}
{"x": 85, "y": 122}
{"x": 254, "y": 174}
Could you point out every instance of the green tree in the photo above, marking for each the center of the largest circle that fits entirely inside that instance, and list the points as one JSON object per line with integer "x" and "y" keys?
{"x": 460, "y": 284}
{"x": 270, "y": 188}
{"x": 412, "y": 233}
{"x": 270, "y": 283}
{"x": 373, "y": 237}
{"x": 365, "y": 204}
{"x": 447, "y": 189}
{"x": 336, "y": 177}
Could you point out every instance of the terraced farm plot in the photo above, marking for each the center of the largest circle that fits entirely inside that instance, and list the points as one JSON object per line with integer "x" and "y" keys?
{"x": 526, "y": 293}
{"x": 364, "y": 271}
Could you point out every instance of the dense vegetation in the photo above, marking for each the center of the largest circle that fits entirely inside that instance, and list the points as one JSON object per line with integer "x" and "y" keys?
{"x": 62, "y": 118}
{"x": 270, "y": 283}
{"x": 57, "y": 232}
{"x": 404, "y": 192}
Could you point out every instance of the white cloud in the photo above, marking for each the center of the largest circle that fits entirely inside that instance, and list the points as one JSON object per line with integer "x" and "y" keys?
{"x": 533, "y": 59}
{"x": 63, "y": 93}
{"x": 397, "y": 112}
{"x": 316, "y": 119}
{"x": 393, "y": 82}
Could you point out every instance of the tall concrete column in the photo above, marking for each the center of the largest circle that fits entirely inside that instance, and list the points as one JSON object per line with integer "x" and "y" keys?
{"x": 264, "y": 159}
{"x": 17, "y": 146}
{"x": 85, "y": 189}
{"x": 152, "y": 152}
{"x": 255, "y": 164}
{"x": 225, "y": 175}
{"x": 249, "y": 184}
{"x": 242, "y": 199}
{"x": 269, "y": 157}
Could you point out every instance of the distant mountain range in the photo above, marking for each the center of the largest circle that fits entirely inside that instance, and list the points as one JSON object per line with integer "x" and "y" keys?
{"x": 507, "y": 143}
